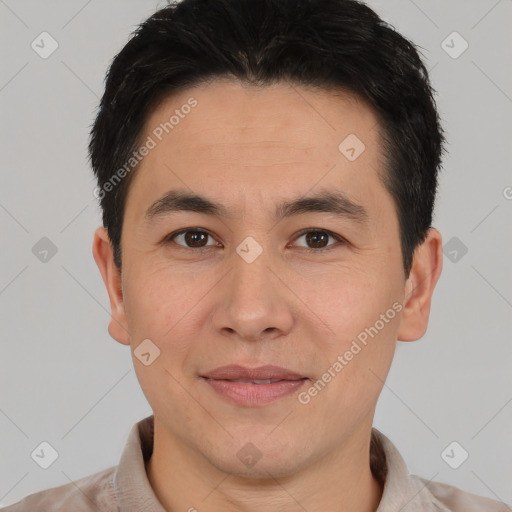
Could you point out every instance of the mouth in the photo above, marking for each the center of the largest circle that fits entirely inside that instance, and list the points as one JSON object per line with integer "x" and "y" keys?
{"x": 252, "y": 393}
{"x": 257, "y": 382}
{"x": 260, "y": 375}
{"x": 262, "y": 381}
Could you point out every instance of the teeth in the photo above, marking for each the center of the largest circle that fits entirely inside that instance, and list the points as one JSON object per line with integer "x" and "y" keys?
{"x": 254, "y": 381}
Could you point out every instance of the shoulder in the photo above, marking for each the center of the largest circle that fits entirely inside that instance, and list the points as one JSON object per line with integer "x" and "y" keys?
{"x": 91, "y": 493}
{"x": 458, "y": 500}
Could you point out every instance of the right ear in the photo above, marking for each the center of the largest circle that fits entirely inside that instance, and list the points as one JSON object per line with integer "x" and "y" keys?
{"x": 104, "y": 256}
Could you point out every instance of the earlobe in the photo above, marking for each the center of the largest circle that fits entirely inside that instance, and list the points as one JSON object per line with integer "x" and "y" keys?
{"x": 419, "y": 287}
{"x": 103, "y": 255}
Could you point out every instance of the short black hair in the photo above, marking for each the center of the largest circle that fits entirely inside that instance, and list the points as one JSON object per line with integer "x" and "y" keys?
{"x": 327, "y": 44}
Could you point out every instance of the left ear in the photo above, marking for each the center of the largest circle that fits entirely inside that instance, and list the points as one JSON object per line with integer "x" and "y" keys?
{"x": 419, "y": 287}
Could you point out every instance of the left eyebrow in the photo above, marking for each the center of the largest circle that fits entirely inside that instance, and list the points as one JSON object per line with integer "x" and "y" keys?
{"x": 325, "y": 201}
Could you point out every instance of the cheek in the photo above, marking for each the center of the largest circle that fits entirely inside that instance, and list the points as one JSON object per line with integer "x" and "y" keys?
{"x": 352, "y": 380}
{"x": 363, "y": 314}
{"x": 157, "y": 299}
{"x": 162, "y": 305}
{"x": 156, "y": 305}
{"x": 346, "y": 299}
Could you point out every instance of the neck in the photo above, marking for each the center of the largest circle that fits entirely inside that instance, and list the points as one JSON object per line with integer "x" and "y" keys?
{"x": 184, "y": 479}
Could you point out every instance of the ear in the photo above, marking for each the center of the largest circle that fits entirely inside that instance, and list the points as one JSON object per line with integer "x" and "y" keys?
{"x": 419, "y": 287}
{"x": 104, "y": 257}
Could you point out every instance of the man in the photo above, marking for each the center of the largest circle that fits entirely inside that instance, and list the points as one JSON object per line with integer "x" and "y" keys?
{"x": 267, "y": 171}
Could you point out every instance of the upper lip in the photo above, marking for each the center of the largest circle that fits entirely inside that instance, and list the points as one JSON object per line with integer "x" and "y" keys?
{"x": 236, "y": 372}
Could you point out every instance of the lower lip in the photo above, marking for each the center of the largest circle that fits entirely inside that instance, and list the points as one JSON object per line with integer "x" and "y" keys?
{"x": 247, "y": 394}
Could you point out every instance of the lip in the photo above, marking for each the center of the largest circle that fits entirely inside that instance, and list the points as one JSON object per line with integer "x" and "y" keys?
{"x": 247, "y": 394}
{"x": 253, "y": 395}
{"x": 236, "y": 372}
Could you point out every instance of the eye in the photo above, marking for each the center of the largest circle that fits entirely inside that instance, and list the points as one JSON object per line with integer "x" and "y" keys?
{"x": 318, "y": 239}
{"x": 192, "y": 238}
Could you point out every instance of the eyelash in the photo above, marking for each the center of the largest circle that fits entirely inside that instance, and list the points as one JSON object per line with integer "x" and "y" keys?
{"x": 339, "y": 238}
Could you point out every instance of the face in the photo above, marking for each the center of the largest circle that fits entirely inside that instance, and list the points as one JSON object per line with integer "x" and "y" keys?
{"x": 263, "y": 280}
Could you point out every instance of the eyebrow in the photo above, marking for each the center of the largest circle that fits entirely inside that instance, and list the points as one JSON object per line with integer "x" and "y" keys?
{"x": 326, "y": 201}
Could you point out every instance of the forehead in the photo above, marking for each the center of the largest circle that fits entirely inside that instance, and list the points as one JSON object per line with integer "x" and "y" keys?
{"x": 234, "y": 113}
{"x": 255, "y": 141}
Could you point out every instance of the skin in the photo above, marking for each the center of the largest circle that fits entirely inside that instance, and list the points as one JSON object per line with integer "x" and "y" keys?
{"x": 250, "y": 148}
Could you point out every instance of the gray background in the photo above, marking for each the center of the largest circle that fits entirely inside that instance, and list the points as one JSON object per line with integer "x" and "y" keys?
{"x": 65, "y": 381}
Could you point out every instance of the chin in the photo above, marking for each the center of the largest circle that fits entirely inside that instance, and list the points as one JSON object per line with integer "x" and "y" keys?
{"x": 257, "y": 460}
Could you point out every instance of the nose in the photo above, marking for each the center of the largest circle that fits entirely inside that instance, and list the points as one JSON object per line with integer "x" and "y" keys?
{"x": 253, "y": 303}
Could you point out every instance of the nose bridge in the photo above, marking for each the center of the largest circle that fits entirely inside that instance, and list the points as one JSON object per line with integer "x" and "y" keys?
{"x": 251, "y": 302}
{"x": 251, "y": 275}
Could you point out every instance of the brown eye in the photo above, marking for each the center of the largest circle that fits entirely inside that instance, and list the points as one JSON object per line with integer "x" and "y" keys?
{"x": 192, "y": 239}
{"x": 317, "y": 239}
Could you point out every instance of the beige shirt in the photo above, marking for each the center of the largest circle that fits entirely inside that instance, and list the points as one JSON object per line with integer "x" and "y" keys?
{"x": 125, "y": 487}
